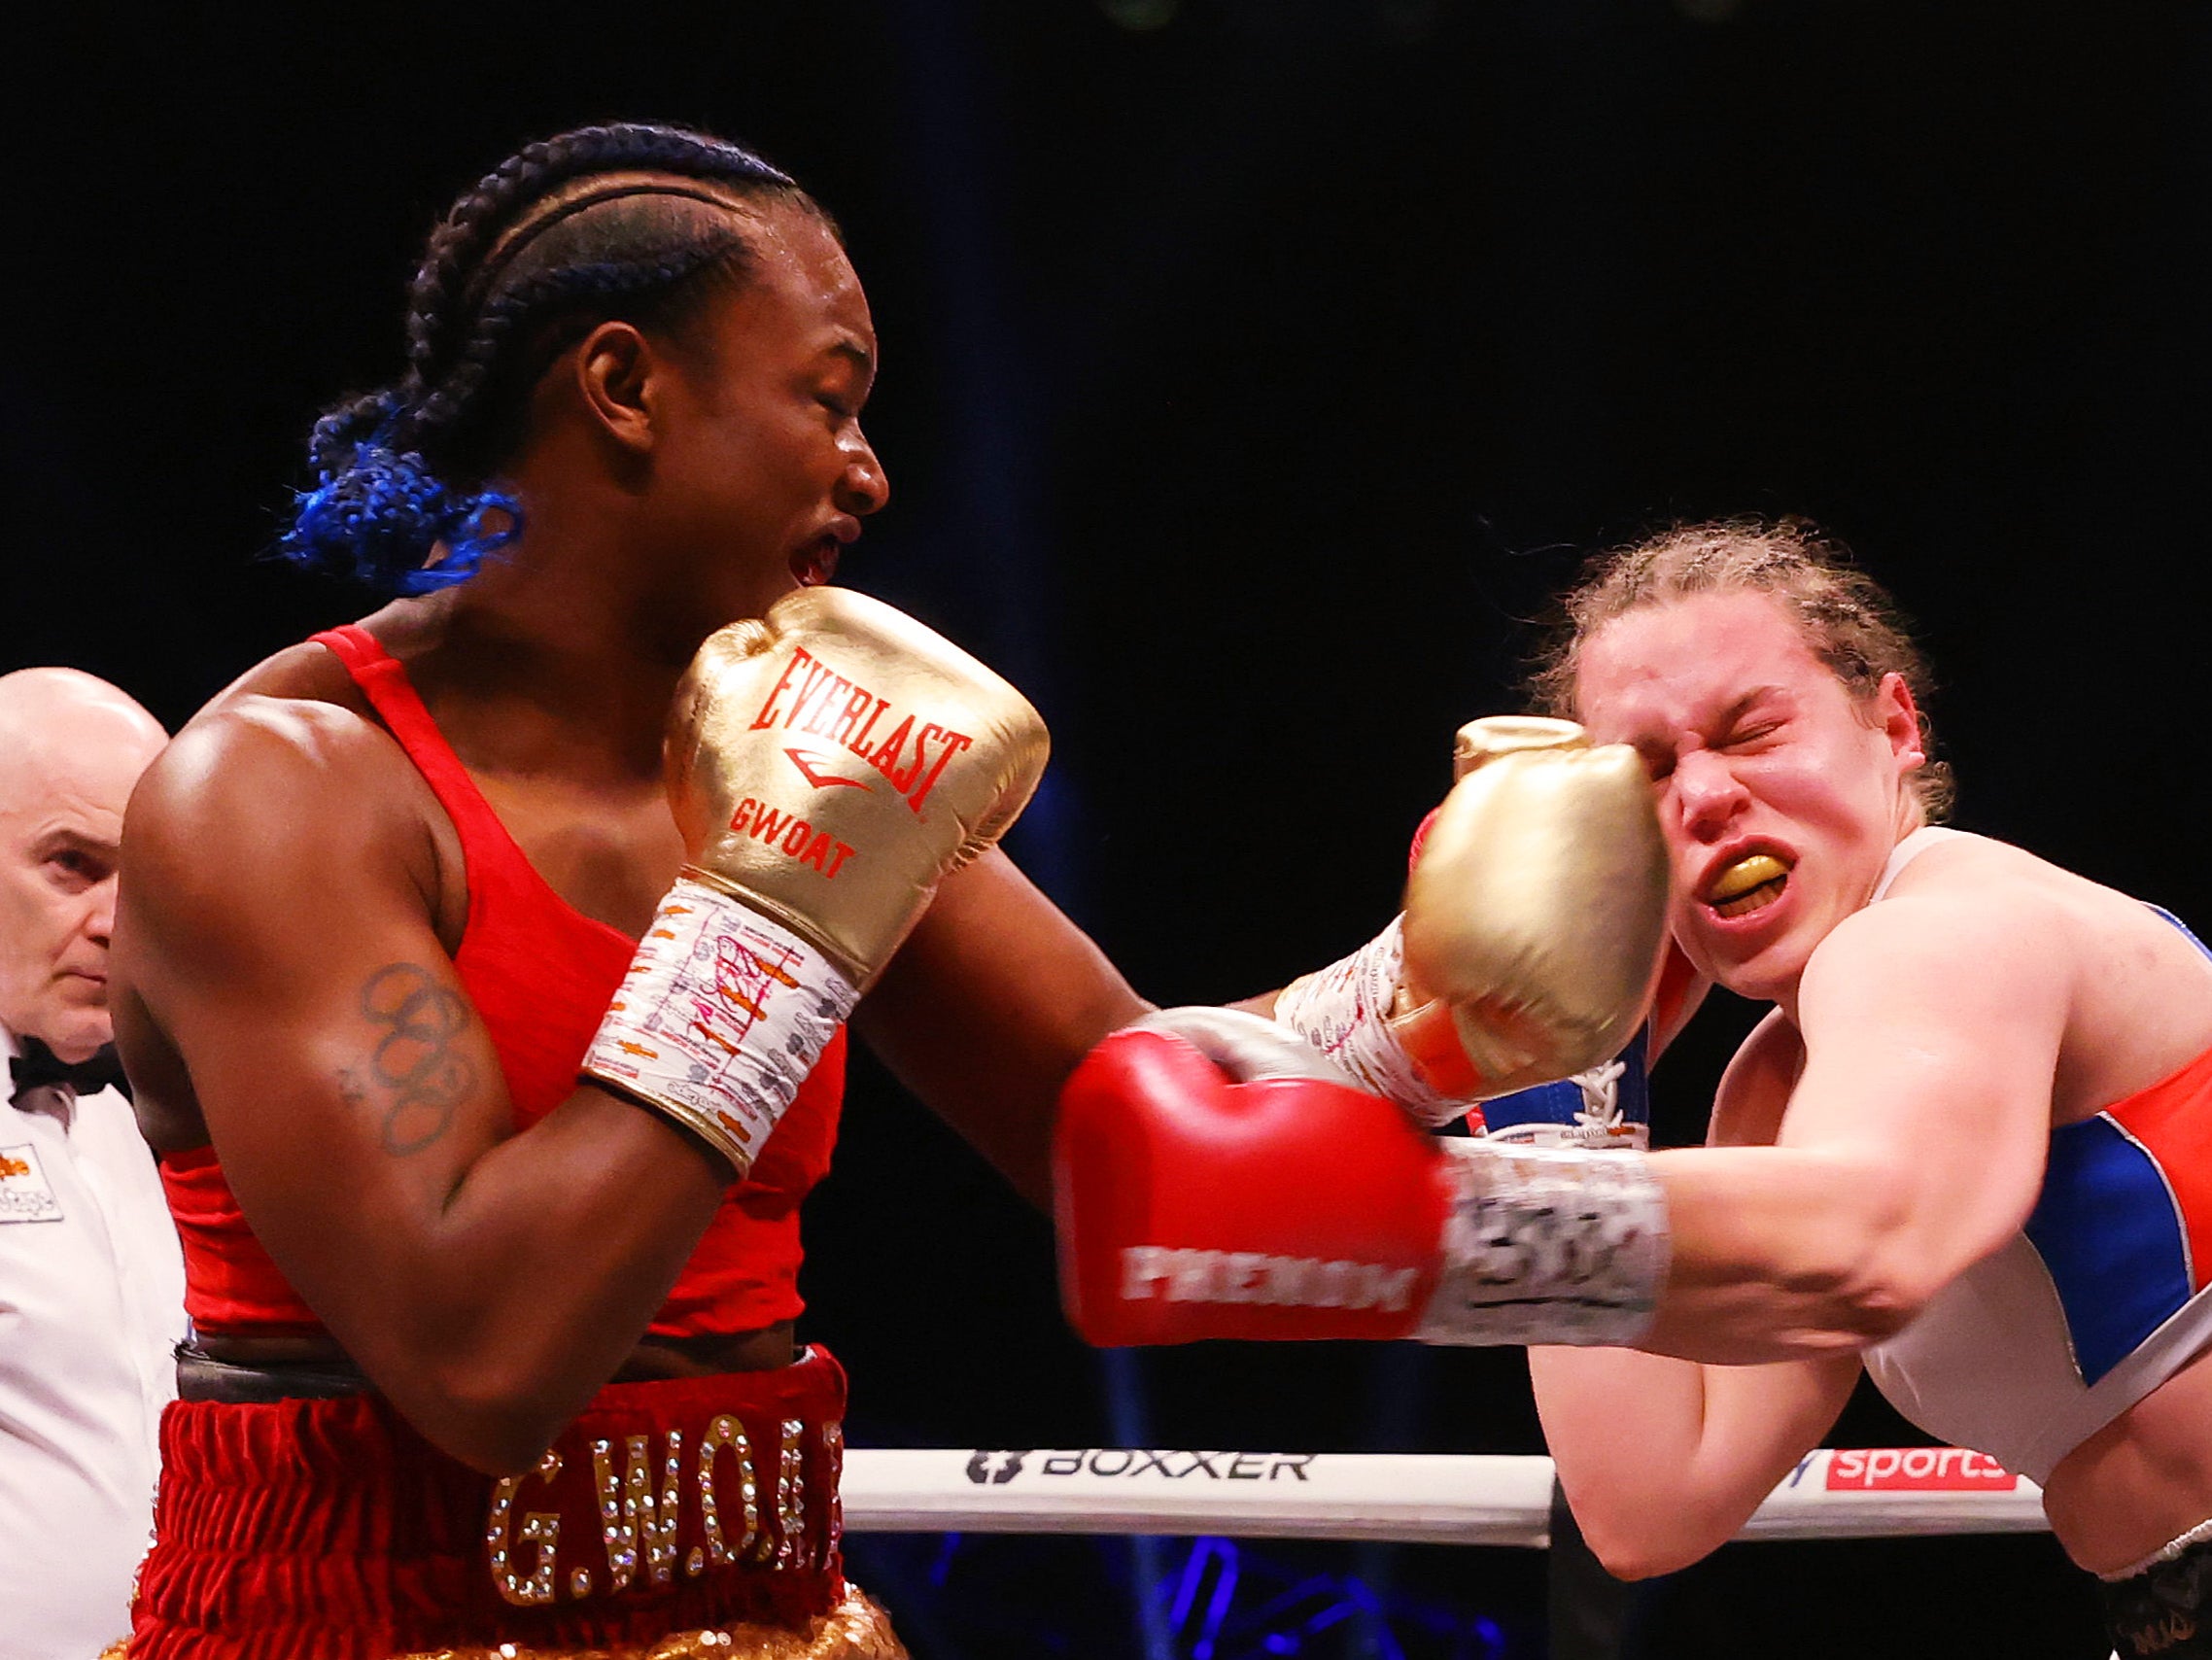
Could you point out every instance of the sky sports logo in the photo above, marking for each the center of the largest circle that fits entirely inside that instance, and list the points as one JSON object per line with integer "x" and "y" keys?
{"x": 1909, "y": 1470}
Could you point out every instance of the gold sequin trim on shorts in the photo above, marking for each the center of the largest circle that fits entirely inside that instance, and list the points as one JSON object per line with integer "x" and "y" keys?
{"x": 856, "y": 1629}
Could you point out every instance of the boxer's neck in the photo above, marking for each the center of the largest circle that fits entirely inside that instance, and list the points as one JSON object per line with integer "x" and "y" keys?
{"x": 563, "y": 651}
{"x": 537, "y": 668}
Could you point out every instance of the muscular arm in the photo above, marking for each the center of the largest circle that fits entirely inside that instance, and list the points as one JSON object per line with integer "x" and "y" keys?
{"x": 1663, "y": 1459}
{"x": 1907, "y": 1114}
{"x": 277, "y": 929}
{"x": 997, "y": 996}
{"x": 1912, "y": 1146}
{"x": 989, "y": 1006}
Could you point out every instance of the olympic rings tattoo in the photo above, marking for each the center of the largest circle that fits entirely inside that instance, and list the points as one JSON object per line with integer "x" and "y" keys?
{"x": 420, "y": 1019}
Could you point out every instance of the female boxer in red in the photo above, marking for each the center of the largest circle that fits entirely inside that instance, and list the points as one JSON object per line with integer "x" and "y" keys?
{"x": 383, "y": 903}
{"x": 380, "y": 894}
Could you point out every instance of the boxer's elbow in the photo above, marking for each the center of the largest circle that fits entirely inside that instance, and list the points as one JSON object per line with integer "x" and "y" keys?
{"x": 494, "y": 1438}
{"x": 1653, "y": 1540}
{"x": 496, "y": 1418}
{"x": 1649, "y": 1518}
{"x": 494, "y": 1449}
{"x": 1632, "y": 1558}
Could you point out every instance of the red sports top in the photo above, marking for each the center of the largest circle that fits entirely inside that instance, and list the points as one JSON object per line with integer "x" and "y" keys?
{"x": 540, "y": 973}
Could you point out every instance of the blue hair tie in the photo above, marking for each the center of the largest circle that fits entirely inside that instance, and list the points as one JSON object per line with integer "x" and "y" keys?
{"x": 384, "y": 513}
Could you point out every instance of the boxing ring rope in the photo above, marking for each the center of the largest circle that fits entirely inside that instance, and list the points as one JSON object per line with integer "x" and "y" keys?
{"x": 1414, "y": 1498}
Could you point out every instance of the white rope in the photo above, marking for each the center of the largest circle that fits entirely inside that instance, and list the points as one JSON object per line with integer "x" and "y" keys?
{"x": 1435, "y": 1499}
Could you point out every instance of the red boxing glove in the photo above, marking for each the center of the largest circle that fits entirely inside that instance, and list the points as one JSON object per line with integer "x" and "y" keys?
{"x": 1275, "y": 1200}
{"x": 1214, "y": 1176}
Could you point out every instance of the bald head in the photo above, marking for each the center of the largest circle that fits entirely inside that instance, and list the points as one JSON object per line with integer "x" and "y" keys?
{"x": 71, "y": 749}
{"x": 45, "y": 708}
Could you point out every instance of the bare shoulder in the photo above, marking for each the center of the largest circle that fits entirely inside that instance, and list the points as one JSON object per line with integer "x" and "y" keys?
{"x": 295, "y": 722}
{"x": 1968, "y": 902}
{"x": 261, "y": 763}
{"x": 1971, "y": 896}
{"x": 260, "y": 791}
{"x": 1996, "y": 945}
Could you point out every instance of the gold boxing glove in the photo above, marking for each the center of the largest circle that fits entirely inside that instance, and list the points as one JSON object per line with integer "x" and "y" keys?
{"x": 828, "y": 765}
{"x": 1532, "y": 932}
{"x": 1535, "y": 913}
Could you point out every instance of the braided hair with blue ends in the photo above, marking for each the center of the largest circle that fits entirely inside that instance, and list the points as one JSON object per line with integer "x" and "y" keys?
{"x": 628, "y": 221}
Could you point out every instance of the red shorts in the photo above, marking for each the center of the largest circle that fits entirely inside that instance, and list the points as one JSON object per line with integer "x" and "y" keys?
{"x": 330, "y": 1530}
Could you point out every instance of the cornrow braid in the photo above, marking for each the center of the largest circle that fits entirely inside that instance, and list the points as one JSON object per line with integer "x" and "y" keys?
{"x": 402, "y": 471}
{"x": 449, "y": 411}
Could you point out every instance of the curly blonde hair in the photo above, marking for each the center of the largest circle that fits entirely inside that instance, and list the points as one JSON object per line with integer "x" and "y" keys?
{"x": 1852, "y": 624}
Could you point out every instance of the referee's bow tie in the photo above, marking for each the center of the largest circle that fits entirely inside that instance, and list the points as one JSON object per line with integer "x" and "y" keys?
{"x": 39, "y": 1065}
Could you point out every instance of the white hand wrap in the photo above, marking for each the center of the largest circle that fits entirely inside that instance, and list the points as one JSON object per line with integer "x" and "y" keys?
{"x": 720, "y": 1018}
{"x": 1548, "y": 1246}
{"x": 1344, "y": 1011}
{"x": 1247, "y": 1046}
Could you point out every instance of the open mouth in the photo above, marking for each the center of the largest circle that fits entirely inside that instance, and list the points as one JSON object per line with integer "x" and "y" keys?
{"x": 1750, "y": 883}
{"x": 816, "y": 564}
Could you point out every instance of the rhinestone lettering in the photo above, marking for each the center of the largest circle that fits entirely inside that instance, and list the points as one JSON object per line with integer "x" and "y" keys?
{"x": 832, "y": 1456}
{"x": 540, "y": 1529}
{"x": 791, "y": 1496}
{"x": 632, "y": 1512}
{"x": 728, "y": 1432}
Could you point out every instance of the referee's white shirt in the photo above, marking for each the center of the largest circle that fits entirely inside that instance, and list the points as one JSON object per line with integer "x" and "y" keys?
{"x": 92, "y": 1306}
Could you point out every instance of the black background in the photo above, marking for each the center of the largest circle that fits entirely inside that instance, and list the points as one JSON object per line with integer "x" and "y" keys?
{"x": 1254, "y": 370}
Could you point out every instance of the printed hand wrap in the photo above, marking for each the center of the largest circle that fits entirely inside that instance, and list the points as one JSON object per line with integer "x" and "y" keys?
{"x": 1547, "y": 1246}
{"x": 827, "y": 765}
